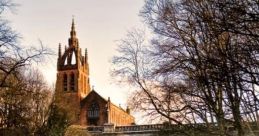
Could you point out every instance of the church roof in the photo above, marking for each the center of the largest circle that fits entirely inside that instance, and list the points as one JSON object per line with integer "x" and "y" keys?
{"x": 93, "y": 92}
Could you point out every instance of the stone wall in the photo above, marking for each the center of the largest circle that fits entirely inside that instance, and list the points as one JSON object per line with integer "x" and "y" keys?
{"x": 119, "y": 116}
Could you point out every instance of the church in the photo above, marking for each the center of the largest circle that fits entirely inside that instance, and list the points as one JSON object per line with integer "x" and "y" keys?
{"x": 73, "y": 94}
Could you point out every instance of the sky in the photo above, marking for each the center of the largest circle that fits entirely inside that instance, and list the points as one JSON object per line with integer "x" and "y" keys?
{"x": 99, "y": 24}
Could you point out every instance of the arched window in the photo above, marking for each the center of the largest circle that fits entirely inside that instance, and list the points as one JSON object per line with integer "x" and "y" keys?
{"x": 72, "y": 82}
{"x": 65, "y": 82}
{"x": 73, "y": 59}
{"x": 93, "y": 111}
{"x": 65, "y": 63}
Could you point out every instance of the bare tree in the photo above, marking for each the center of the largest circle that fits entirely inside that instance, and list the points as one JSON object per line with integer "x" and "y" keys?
{"x": 134, "y": 65}
{"x": 24, "y": 95}
{"x": 202, "y": 58}
{"x": 12, "y": 54}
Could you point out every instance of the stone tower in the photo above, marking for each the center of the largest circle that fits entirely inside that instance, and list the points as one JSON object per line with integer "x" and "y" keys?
{"x": 72, "y": 84}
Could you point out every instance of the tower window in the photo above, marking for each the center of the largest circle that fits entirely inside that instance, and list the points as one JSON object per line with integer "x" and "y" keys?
{"x": 65, "y": 82}
{"x": 65, "y": 63}
{"x": 72, "y": 82}
{"x": 73, "y": 59}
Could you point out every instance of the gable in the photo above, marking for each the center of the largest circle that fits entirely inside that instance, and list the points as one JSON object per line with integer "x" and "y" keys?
{"x": 92, "y": 96}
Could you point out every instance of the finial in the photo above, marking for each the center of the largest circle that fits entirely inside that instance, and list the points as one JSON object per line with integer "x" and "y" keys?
{"x": 92, "y": 87}
{"x": 85, "y": 50}
{"x": 59, "y": 50}
{"x": 86, "y": 55}
{"x": 128, "y": 110}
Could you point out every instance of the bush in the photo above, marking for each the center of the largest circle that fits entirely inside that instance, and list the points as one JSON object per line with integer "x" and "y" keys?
{"x": 75, "y": 130}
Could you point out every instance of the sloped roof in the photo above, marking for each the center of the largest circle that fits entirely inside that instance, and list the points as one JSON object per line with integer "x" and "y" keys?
{"x": 93, "y": 92}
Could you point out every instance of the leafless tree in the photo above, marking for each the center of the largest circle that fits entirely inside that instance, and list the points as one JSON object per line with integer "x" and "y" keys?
{"x": 12, "y": 54}
{"x": 205, "y": 54}
{"x": 24, "y": 95}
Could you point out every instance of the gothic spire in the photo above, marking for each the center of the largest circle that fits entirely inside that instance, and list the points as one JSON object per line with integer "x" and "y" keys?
{"x": 73, "y": 42}
{"x": 73, "y": 31}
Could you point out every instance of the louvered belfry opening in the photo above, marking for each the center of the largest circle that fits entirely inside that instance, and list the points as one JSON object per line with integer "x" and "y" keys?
{"x": 65, "y": 82}
{"x": 72, "y": 82}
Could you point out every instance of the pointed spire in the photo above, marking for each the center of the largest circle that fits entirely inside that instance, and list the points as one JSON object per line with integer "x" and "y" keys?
{"x": 59, "y": 50}
{"x": 73, "y": 41}
{"x": 73, "y": 24}
{"x": 73, "y": 31}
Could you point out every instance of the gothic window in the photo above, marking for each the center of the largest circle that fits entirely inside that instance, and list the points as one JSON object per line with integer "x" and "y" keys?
{"x": 65, "y": 82}
{"x": 72, "y": 82}
{"x": 93, "y": 111}
{"x": 65, "y": 63}
{"x": 93, "y": 114}
{"x": 73, "y": 61}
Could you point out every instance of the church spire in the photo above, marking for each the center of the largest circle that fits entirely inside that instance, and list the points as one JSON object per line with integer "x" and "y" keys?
{"x": 73, "y": 31}
{"x": 73, "y": 41}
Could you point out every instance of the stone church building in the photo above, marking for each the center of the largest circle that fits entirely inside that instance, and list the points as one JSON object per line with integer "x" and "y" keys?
{"x": 74, "y": 95}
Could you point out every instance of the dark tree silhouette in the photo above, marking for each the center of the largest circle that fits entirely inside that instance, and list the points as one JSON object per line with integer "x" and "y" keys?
{"x": 24, "y": 95}
{"x": 202, "y": 62}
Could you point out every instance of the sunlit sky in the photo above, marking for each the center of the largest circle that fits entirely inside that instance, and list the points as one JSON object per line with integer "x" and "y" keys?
{"x": 99, "y": 23}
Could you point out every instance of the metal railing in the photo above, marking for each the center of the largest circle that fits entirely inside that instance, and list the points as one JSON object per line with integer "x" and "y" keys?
{"x": 153, "y": 127}
{"x": 95, "y": 128}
